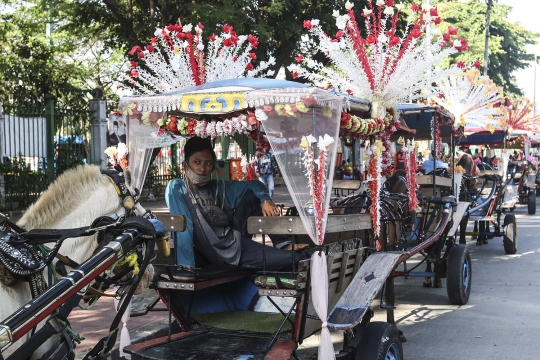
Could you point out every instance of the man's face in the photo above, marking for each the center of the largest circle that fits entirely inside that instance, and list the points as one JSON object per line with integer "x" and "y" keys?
{"x": 201, "y": 162}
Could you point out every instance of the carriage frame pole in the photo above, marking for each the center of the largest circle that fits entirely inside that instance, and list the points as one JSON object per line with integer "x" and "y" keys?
{"x": 50, "y": 132}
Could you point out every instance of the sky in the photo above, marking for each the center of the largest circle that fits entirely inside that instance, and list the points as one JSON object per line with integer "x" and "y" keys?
{"x": 526, "y": 13}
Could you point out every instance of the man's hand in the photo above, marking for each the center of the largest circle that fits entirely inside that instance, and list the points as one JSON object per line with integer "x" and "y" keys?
{"x": 270, "y": 209}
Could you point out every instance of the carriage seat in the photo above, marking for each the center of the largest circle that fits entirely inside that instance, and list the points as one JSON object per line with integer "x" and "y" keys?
{"x": 206, "y": 272}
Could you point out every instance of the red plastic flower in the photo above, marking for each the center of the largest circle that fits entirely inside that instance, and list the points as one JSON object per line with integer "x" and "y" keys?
{"x": 153, "y": 41}
{"x": 464, "y": 45}
{"x": 394, "y": 40}
{"x": 339, "y": 34}
{"x": 181, "y": 35}
{"x": 414, "y": 7}
{"x": 309, "y": 101}
{"x": 437, "y": 20}
{"x": 294, "y": 74}
{"x": 253, "y": 41}
{"x": 477, "y": 64}
{"x": 461, "y": 65}
{"x": 307, "y": 24}
{"x": 134, "y": 49}
{"x": 389, "y": 2}
{"x": 133, "y": 64}
{"x": 227, "y": 42}
{"x": 252, "y": 56}
{"x": 150, "y": 48}
{"x": 212, "y": 37}
{"x": 299, "y": 58}
{"x": 389, "y": 32}
{"x": 140, "y": 54}
{"x": 200, "y": 26}
{"x": 235, "y": 58}
{"x": 134, "y": 73}
{"x": 452, "y": 30}
{"x": 443, "y": 44}
{"x": 371, "y": 39}
{"x": 227, "y": 28}
{"x": 441, "y": 95}
{"x": 349, "y": 91}
{"x": 446, "y": 37}
{"x": 249, "y": 66}
{"x": 433, "y": 12}
{"x": 416, "y": 32}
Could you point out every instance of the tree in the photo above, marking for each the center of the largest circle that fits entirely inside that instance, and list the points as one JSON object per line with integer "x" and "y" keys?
{"x": 277, "y": 23}
{"x": 507, "y": 52}
{"x": 34, "y": 63}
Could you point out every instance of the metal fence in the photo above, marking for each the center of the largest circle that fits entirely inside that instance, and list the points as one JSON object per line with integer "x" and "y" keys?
{"x": 39, "y": 142}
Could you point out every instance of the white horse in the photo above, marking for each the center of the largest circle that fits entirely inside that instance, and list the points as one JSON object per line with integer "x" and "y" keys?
{"x": 74, "y": 200}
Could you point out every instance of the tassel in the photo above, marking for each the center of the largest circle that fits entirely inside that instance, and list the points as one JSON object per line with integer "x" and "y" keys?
{"x": 125, "y": 339}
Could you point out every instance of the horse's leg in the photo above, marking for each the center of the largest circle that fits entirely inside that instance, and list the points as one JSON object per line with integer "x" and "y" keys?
{"x": 474, "y": 237}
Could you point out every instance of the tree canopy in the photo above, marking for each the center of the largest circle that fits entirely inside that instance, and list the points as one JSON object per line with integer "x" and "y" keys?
{"x": 507, "y": 41}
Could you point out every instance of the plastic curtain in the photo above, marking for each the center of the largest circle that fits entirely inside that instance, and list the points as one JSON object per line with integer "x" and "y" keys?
{"x": 304, "y": 143}
{"x": 125, "y": 340}
{"x": 142, "y": 139}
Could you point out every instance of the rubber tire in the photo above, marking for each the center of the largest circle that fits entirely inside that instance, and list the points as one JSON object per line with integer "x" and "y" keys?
{"x": 510, "y": 244}
{"x": 531, "y": 203}
{"x": 458, "y": 266}
{"x": 380, "y": 342}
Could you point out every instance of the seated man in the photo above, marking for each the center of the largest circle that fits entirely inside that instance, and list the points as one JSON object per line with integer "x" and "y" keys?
{"x": 217, "y": 213}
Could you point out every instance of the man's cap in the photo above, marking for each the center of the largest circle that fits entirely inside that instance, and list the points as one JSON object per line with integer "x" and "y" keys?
{"x": 196, "y": 144}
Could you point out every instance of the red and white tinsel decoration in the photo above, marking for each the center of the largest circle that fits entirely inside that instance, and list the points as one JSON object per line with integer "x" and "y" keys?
{"x": 410, "y": 169}
{"x": 374, "y": 181}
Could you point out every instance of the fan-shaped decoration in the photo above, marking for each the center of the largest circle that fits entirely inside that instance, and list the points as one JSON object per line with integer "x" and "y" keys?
{"x": 385, "y": 67}
{"x": 176, "y": 59}
{"x": 472, "y": 98}
{"x": 517, "y": 116}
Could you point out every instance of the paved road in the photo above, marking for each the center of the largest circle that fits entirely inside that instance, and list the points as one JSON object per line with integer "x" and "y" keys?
{"x": 501, "y": 319}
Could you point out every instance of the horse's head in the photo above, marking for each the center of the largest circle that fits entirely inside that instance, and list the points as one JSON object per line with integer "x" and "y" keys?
{"x": 76, "y": 199}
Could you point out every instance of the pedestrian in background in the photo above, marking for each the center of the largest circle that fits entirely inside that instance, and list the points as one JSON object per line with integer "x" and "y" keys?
{"x": 265, "y": 170}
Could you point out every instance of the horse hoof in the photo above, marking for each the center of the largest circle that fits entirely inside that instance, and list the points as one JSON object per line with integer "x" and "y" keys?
{"x": 484, "y": 241}
{"x": 438, "y": 283}
{"x": 479, "y": 242}
{"x": 401, "y": 336}
{"x": 427, "y": 283}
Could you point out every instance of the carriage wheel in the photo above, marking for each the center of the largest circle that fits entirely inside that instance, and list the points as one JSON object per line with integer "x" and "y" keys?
{"x": 532, "y": 202}
{"x": 459, "y": 275}
{"x": 380, "y": 342}
{"x": 510, "y": 237}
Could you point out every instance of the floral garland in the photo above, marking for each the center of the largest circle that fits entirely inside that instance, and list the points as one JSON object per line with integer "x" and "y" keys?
{"x": 118, "y": 155}
{"x": 384, "y": 136}
{"x": 353, "y": 126}
{"x": 316, "y": 174}
{"x": 410, "y": 170}
{"x": 374, "y": 181}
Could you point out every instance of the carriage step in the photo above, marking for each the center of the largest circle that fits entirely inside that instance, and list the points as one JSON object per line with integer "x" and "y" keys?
{"x": 358, "y": 296}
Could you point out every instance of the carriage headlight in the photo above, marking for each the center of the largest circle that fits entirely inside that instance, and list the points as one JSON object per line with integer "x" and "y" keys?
{"x": 5, "y": 337}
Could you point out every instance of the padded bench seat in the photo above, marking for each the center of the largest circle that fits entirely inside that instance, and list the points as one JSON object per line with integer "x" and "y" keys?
{"x": 179, "y": 278}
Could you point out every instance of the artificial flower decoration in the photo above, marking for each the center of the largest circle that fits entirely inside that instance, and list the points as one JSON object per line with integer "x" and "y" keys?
{"x": 410, "y": 169}
{"x": 517, "y": 116}
{"x": 118, "y": 155}
{"x": 384, "y": 67}
{"x": 472, "y": 98}
{"x": 531, "y": 163}
{"x": 177, "y": 58}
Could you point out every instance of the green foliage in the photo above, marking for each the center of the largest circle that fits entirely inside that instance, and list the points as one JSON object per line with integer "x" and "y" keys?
{"x": 22, "y": 184}
{"x": 507, "y": 41}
